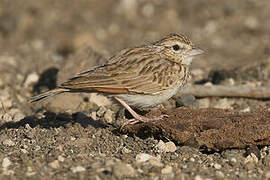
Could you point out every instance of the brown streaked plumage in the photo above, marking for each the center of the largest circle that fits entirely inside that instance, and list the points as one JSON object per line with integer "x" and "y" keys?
{"x": 142, "y": 76}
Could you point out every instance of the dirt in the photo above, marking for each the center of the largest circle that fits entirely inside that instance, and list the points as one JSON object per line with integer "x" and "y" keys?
{"x": 78, "y": 136}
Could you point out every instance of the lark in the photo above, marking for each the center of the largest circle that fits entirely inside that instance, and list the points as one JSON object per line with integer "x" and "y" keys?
{"x": 141, "y": 77}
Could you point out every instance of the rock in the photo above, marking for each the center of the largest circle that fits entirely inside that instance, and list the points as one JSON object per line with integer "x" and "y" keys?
{"x": 109, "y": 116}
{"x": 126, "y": 150}
{"x": 204, "y": 103}
{"x": 188, "y": 100}
{"x": 217, "y": 166}
{"x": 24, "y": 151}
{"x": 31, "y": 79}
{"x": 143, "y": 157}
{"x": 223, "y": 103}
{"x": 55, "y": 164}
{"x": 220, "y": 174}
{"x": 6, "y": 163}
{"x": 99, "y": 100}
{"x": 8, "y": 142}
{"x": 6, "y": 117}
{"x": 251, "y": 158}
{"x": 77, "y": 169}
{"x": 167, "y": 170}
{"x": 61, "y": 158}
{"x": 101, "y": 111}
{"x": 166, "y": 147}
{"x": 147, "y": 158}
{"x": 18, "y": 116}
{"x": 30, "y": 171}
{"x": 198, "y": 177}
{"x": 121, "y": 170}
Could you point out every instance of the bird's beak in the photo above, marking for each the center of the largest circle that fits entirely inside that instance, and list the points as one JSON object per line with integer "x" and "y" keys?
{"x": 195, "y": 51}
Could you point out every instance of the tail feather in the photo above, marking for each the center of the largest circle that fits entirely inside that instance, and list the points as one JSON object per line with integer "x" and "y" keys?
{"x": 48, "y": 94}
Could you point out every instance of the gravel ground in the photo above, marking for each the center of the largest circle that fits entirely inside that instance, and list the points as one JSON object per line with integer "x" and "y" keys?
{"x": 77, "y": 136}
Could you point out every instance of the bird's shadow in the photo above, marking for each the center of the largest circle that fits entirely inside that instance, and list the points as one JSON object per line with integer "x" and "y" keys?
{"x": 54, "y": 120}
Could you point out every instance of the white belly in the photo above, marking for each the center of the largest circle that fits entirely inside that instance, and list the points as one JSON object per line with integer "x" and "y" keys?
{"x": 142, "y": 101}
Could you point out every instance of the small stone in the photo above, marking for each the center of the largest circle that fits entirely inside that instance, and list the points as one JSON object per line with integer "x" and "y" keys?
{"x": 198, "y": 177}
{"x": 77, "y": 169}
{"x": 101, "y": 111}
{"x": 204, "y": 103}
{"x": 99, "y": 100}
{"x": 61, "y": 158}
{"x": 147, "y": 158}
{"x": 108, "y": 116}
{"x": 31, "y": 79}
{"x": 217, "y": 166}
{"x": 220, "y": 174}
{"x": 18, "y": 116}
{"x": 24, "y": 151}
{"x": 126, "y": 150}
{"x": 167, "y": 170}
{"x": 30, "y": 171}
{"x": 192, "y": 159}
{"x": 143, "y": 157}
{"x": 233, "y": 161}
{"x": 8, "y": 142}
{"x": 166, "y": 147}
{"x": 55, "y": 164}
{"x": 121, "y": 170}
{"x": 6, "y": 163}
{"x": 223, "y": 103}
{"x": 251, "y": 158}
{"x": 6, "y": 117}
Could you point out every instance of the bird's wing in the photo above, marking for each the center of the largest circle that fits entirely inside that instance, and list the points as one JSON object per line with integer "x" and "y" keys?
{"x": 137, "y": 74}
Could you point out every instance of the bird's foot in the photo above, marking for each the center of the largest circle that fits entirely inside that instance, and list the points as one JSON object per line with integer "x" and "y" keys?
{"x": 143, "y": 119}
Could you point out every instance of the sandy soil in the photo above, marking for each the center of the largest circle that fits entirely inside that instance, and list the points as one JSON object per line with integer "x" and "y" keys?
{"x": 78, "y": 136}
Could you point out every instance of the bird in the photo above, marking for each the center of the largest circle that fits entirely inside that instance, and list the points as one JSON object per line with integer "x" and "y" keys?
{"x": 142, "y": 77}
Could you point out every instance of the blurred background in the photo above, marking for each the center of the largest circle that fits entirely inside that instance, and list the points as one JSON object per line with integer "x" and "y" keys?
{"x": 44, "y": 33}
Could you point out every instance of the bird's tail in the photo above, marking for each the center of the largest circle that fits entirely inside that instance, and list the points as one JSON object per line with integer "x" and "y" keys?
{"x": 48, "y": 94}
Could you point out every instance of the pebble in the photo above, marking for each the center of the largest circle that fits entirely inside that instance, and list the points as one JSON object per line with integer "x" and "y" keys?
{"x": 126, "y": 150}
{"x": 30, "y": 171}
{"x": 31, "y": 79}
{"x": 204, "y": 103}
{"x": 167, "y": 170}
{"x": 6, "y": 117}
{"x": 220, "y": 174}
{"x": 108, "y": 116}
{"x": 101, "y": 111}
{"x": 61, "y": 158}
{"x": 8, "y": 142}
{"x": 217, "y": 166}
{"x": 121, "y": 170}
{"x": 223, "y": 103}
{"x": 198, "y": 177}
{"x": 99, "y": 100}
{"x": 77, "y": 169}
{"x": 6, "y": 163}
{"x": 24, "y": 151}
{"x": 18, "y": 116}
{"x": 166, "y": 147}
{"x": 55, "y": 164}
{"x": 147, "y": 158}
{"x": 143, "y": 157}
{"x": 251, "y": 158}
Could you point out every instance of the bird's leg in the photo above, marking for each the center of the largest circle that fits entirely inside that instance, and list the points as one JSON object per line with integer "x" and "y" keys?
{"x": 137, "y": 117}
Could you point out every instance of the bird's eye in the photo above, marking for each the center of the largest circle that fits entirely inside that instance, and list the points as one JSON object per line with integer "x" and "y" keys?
{"x": 176, "y": 47}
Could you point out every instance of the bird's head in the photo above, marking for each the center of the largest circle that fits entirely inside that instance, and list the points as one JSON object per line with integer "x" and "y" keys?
{"x": 179, "y": 48}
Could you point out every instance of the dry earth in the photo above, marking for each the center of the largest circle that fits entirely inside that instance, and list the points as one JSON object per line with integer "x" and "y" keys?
{"x": 77, "y": 136}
